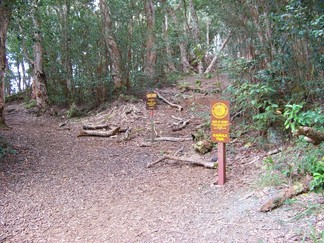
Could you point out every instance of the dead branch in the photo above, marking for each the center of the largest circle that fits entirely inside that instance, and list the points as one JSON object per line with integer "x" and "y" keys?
{"x": 177, "y": 118}
{"x": 179, "y": 151}
{"x": 210, "y": 165}
{"x": 315, "y": 137}
{"x": 172, "y": 139}
{"x": 179, "y": 107}
{"x": 236, "y": 114}
{"x": 97, "y": 133}
{"x": 212, "y": 63}
{"x": 181, "y": 126}
{"x": 275, "y": 151}
{"x": 295, "y": 190}
{"x": 95, "y": 127}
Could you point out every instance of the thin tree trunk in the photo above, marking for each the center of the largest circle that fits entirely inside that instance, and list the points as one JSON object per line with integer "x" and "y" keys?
{"x": 150, "y": 58}
{"x": 5, "y": 13}
{"x": 67, "y": 63}
{"x": 19, "y": 74}
{"x": 111, "y": 43}
{"x": 196, "y": 33}
{"x": 39, "y": 76}
{"x": 182, "y": 45}
{"x": 212, "y": 63}
{"x": 167, "y": 45}
{"x": 24, "y": 78}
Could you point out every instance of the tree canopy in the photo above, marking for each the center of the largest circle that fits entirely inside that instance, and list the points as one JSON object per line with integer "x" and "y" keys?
{"x": 93, "y": 50}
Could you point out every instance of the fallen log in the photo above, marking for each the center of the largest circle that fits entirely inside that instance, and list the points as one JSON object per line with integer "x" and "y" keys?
{"x": 99, "y": 133}
{"x": 179, "y": 107}
{"x": 315, "y": 137}
{"x": 181, "y": 126}
{"x": 172, "y": 139}
{"x": 295, "y": 190}
{"x": 96, "y": 127}
{"x": 210, "y": 165}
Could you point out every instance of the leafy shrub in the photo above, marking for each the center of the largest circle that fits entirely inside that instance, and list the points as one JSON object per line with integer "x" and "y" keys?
{"x": 295, "y": 117}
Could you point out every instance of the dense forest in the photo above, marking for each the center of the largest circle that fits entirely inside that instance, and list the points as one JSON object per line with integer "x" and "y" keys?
{"x": 67, "y": 51}
{"x": 71, "y": 52}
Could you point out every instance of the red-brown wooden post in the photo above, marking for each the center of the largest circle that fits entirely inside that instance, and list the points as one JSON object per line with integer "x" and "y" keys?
{"x": 221, "y": 154}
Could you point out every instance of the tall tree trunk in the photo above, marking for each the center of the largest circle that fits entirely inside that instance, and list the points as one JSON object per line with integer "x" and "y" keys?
{"x": 150, "y": 58}
{"x": 171, "y": 65}
{"x": 19, "y": 74}
{"x": 196, "y": 32}
{"x": 129, "y": 54}
{"x": 182, "y": 45}
{"x": 67, "y": 63}
{"x": 24, "y": 78}
{"x": 39, "y": 76}
{"x": 5, "y": 13}
{"x": 114, "y": 50}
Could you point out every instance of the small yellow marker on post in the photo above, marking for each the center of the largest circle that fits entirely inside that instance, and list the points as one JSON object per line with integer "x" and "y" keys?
{"x": 151, "y": 105}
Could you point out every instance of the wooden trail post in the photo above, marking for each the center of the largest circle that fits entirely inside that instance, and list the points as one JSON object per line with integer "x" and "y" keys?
{"x": 220, "y": 126}
{"x": 151, "y": 105}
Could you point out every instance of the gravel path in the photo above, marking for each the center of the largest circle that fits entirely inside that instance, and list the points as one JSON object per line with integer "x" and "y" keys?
{"x": 60, "y": 188}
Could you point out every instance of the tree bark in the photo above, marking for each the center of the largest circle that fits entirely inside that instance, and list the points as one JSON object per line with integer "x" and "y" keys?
{"x": 66, "y": 49}
{"x": 182, "y": 44}
{"x": 196, "y": 33}
{"x": 150, "y": 58}
{"x": 5, "y": 13}
{"x": 167, "y": 45}
{"x": 114, "y": 50}
{"x": 39, "y": 76}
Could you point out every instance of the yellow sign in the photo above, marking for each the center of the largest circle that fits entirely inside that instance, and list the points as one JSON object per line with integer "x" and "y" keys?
{"x": 220, "y": 123}
{"x": 151, "y": 95}
{"x": 151, "y": 101}
{"x": 220, "y": 110}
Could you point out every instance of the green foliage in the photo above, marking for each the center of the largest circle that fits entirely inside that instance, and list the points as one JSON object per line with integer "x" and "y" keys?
{"x": 31, "y": 104}
{"x": 316, "y": 168}
{"x": 295, "y": 117}
{"x": 300, "y": 159}
{"x": 292, "y": 116}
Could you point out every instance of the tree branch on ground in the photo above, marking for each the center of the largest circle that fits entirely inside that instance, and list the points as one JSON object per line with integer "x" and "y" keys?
{"x": 295, "y": 190}
{"x": 181, "y": 125}
{"x": 101, "y": 133}
{"x": 172, "y": 139}
{"x": 312, "y": 136}
{"x": 210, "y": 165}
{"x": 95, "y": 127}
{"x": 179, "y": 107}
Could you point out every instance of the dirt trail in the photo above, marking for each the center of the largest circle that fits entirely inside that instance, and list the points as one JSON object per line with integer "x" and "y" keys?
{"x": 60, "y": 188}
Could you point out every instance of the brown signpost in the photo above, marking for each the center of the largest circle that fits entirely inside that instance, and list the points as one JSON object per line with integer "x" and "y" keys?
{"x": 151, "y": 105}
{"x": 220, "y": 126}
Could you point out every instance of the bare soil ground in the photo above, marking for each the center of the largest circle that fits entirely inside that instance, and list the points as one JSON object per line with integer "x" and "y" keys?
{"x": 61, "y": 188}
